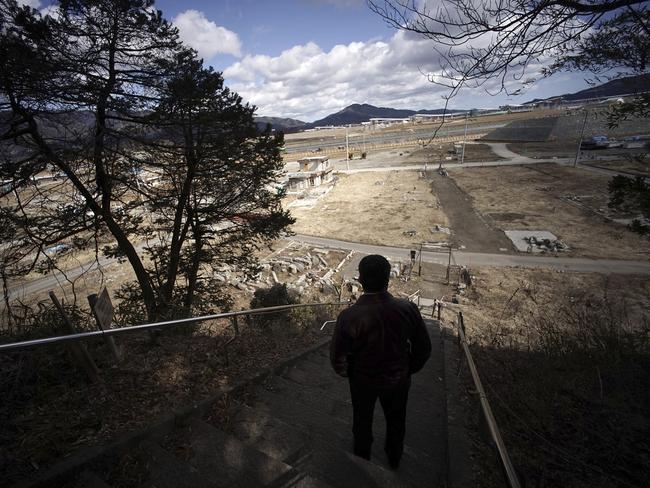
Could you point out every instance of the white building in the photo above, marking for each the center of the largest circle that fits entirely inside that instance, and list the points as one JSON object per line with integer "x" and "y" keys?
{"x": 312, "y": 172}
{"x": 418, "y": 118}
{"x": 388, "y": 120}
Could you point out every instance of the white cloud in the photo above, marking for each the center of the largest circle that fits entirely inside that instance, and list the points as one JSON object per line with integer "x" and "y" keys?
{"x": 307, "y": 82}
{"x": 205, "y": 36}
{"x": 31, "y": 3}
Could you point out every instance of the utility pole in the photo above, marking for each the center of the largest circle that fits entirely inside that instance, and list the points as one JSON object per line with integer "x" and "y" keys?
{"x": 347, "y": 148}
{"x": 582, "y": 133}
{"x": 462, "y": 157}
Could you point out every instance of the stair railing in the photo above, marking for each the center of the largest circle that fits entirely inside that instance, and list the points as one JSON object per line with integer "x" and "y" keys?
{"x": 83, "y": 336}
{"x": 413, "y": 296}
{"x": 486, "y": 411}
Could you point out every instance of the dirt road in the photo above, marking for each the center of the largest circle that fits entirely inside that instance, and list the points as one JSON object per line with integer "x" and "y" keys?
{"x": 469, "y": 230}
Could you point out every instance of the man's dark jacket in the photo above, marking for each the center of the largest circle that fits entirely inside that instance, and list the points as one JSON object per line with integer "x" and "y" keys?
{"x": 380, "y": 341}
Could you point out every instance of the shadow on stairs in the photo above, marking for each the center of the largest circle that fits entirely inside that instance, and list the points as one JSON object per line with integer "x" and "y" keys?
{"x": 292, "y": 430}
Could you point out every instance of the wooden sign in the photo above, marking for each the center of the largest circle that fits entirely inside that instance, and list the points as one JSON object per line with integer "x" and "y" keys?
{"x": 103, "y": 310}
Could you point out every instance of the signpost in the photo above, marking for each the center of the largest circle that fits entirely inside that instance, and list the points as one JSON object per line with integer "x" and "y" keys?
{"x": 102, "y": 308}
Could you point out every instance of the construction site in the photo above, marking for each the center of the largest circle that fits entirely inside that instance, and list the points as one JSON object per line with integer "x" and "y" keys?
{"x": 497, "y": 227}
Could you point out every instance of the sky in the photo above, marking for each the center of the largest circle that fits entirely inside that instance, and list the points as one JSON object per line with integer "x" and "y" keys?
{"x": 305, "y": 59}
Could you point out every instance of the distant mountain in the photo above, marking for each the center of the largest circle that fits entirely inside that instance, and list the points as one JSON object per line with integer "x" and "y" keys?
{"x": 357, "y": 113}
{"x": 280, "y": 124}
{"x": 614, "y": 88}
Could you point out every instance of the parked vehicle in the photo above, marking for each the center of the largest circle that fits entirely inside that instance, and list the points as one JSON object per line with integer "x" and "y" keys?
{"x": 595, "y": 142}
{"x": 58, "y": 250}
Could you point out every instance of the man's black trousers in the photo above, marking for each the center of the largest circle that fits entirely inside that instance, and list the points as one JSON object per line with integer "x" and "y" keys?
{"x": 393, "y": 402}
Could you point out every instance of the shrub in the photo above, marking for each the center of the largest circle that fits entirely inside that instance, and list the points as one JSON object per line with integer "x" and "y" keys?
{"x": 277, "y": 295}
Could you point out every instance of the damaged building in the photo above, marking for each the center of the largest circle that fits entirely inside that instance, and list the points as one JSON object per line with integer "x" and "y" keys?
{"x": 312, "y": 172}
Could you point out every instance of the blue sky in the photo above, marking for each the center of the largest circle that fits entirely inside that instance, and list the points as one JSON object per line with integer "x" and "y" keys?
{"x": 305, "y": 59}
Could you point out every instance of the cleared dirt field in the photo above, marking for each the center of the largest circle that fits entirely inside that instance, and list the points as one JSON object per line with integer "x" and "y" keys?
{"x": 439, "y": 152}
{"x": 532, "y": 197}
{"x": 633, "y": 166}
{"x": 375, "y": 208}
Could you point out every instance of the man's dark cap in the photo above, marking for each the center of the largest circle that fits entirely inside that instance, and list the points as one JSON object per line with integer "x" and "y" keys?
{"x": 374, "y": 273}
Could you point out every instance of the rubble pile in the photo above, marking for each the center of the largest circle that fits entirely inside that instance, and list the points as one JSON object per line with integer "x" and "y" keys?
{"x": 441, "y": 228}
{"x": 311, "y": 270}
{"x": 553, "y": 245}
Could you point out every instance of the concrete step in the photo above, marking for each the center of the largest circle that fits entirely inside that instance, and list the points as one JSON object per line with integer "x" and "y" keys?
{"x": 426, "y": 420}
{"x": 241, "y": 462}
{"x": 299, "y": 415}
{"x": 313, "y": 454}
{"x": 295, "y": 430}
{"x": 339, "y": 405}
{"x": 264, "y": 431}
{"x": 167, "y": 471}
{"x": 229, "y": 460}
{"x": 315, "y": 375}
{"x": 330, "y": 402}
{"x": 342, "y": 469}
{"x": 415, "y": 460}
{"x": 314, "y": 403}
{"x": 460, "y": 465}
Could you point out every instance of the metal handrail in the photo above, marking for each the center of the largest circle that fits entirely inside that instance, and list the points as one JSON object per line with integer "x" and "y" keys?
{"x": 81, "y": 336}
{"x": 495, "y": 433}
{"x": 413, "y": 295}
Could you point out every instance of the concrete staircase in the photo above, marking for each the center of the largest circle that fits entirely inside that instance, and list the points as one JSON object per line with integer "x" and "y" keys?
{"x": 294, "y": 430}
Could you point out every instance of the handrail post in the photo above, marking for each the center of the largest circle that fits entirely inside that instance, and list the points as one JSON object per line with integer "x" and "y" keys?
{"x": 235, "y": 325}
{"x": 461, "y": 321}
{"x": 79, "y": 351}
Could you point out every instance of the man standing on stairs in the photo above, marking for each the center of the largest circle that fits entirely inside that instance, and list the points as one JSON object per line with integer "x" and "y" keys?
{"x": 378, "y": 343}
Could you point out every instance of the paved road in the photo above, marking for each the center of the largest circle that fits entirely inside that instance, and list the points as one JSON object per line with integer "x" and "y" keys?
{"x": 607, "y": 266}
{"x": 339, "y": 166}
{"x": 419, "y": 167}
{"x": 389, "y": 137}
{"x": 55, "y": 278}
{"x": 501, "y": 150}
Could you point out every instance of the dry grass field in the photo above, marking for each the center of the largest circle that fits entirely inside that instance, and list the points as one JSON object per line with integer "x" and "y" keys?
{"x": 375, "y": 208}
{"x": 507, "y": 298}
{"x": 564, "y": 359}
{"x": 631, "y": 165}
{"x": 530, "y": 197}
